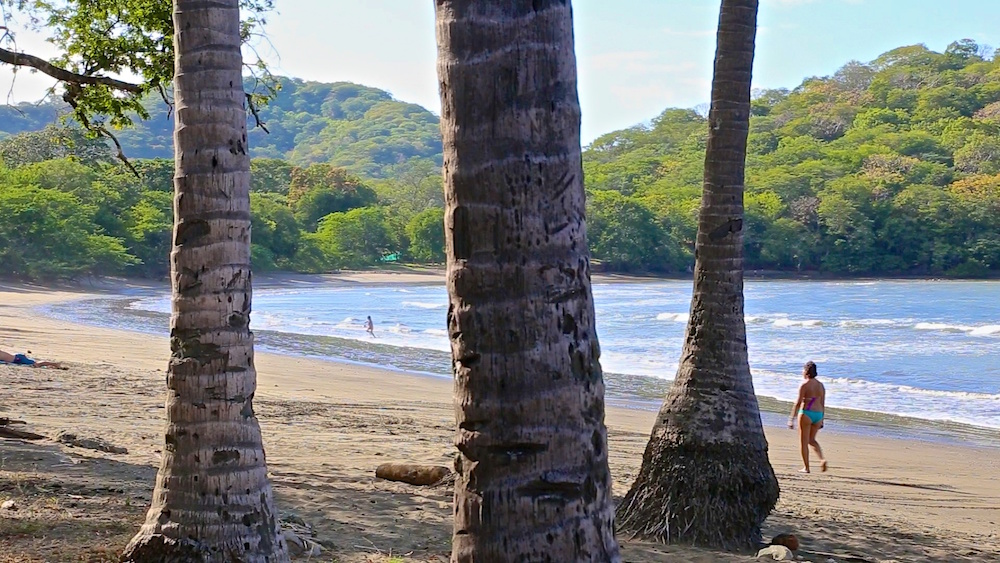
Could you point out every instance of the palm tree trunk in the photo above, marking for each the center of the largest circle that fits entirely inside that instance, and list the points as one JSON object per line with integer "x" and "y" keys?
{"x": 533, "y": 481}
{"x": 212, "y": 500}
{"x": 705, "y": 477}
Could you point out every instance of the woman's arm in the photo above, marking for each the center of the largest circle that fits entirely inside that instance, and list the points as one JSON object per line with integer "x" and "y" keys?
{"x": 795, "y": 407}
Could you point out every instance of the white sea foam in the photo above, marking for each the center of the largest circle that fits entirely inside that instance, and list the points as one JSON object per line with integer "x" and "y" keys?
{"x": 864, "y": 323}
{"x": 264, "y": 321}
{"x": 660, "y": 367}
{"x": 988, "y": 330}
{"x": 349, "y": 322}
{"x": 982, "y": 330}
{"x": 158, "y": 304}
{"x": 785, "y": 322}
{"x": 422, "y": 305}
{"x": 943, "y": 327}
{"x": 677, "y": 317}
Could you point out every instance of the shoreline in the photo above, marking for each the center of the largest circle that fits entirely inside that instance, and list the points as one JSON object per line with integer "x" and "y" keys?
{"x": 327, "y": 425}
{"x": 842, "y": 420}
{"x": 598, "y": 276}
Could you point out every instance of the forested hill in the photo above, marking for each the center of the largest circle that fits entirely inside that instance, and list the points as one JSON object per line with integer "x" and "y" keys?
{"x": 886, "y": 167}
{"x": 357, "y": 127}
{"x": 890, "y": 167}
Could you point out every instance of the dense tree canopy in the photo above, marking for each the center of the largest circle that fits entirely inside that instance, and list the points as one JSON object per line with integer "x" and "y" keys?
{"x": 888, "y": 167}
{"x": 342, "y": 124}
{"x": 868, "y": 171}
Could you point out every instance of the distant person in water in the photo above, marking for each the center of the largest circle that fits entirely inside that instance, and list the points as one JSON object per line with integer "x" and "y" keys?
{"x": 23, "y": 360}
{"x": 809, "y": 409}
{"x": 370, "y": 326}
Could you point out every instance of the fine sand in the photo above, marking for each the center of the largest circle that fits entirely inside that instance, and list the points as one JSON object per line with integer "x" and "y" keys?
{"x": 328, "y": 425}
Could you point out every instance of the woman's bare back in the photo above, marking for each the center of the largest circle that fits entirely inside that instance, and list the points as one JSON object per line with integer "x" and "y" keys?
{"x": 814, "y": 396}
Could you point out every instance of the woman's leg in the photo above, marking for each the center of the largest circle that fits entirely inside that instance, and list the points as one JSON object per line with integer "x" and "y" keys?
{"x": 805, "y": 435}
{"x": 813, "y": 431}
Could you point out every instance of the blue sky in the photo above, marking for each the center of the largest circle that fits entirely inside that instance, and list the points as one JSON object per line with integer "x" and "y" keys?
{"x": 636, "y": 57}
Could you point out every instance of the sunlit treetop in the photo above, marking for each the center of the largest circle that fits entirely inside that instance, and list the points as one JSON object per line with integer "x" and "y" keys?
{"x": 112, "y": 53}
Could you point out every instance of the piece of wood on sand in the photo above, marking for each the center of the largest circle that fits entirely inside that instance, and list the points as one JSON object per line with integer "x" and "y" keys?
{"x": 413, "y": 474}
{"x": 8, "y": 432}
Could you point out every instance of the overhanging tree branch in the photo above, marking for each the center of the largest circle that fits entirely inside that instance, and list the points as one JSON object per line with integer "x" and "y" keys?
{"x": 23, "y": 59}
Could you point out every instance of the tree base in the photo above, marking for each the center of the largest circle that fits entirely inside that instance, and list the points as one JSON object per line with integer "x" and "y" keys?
{"x": 150, "y": 547}
{"x": 705, "y": 495}
{"x": 157, "y": 548}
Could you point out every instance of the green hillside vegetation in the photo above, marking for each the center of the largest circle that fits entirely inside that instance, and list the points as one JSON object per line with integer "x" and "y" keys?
{"x": 886, "y": 168}
{"x": 359, "y": 128}
{"x": 890, "y": 167}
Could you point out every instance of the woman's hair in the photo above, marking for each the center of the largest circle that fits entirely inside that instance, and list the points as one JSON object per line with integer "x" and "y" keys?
{"x": 810, "y": 370}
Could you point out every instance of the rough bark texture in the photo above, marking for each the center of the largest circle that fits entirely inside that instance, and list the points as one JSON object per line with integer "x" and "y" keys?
{"x": 705, "y": 476}
{"x": 533, "y": 482}
{"x": 212, "y": 501}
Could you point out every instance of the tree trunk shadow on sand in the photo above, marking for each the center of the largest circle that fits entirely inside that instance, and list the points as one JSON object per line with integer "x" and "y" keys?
{"x": 72, "y": 503}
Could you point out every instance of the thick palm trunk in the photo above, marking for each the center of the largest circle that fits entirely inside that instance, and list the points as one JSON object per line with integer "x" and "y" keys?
{"x": 705, "y": 476}
{"x": 533, "y": 480}
{"x": 212, "y": 500}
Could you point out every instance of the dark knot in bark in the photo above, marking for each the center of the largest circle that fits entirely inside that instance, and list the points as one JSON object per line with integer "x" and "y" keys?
{"x": 723, "y": 230}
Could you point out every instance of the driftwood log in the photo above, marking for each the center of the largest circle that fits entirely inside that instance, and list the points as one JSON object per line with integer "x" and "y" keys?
{"x": 411, "y": 473}
{"x": 7, "y": 432}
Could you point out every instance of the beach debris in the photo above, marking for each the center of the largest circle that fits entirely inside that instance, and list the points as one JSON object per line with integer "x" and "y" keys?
{"x": 414, "y": 474}
{"x": 299, "y": 536}
{"x": 776, "y": 553}
{"x": 98, "y": 444}
{"x": 300, "y": 546}
{"x": 8, "y": 505}
{"x": 787, "y": 540}
{"x": 5, "y": 421}
{"x": 8, "y": 432}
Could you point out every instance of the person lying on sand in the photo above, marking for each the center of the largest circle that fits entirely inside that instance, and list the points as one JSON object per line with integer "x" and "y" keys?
{"x": 23, "y": 360}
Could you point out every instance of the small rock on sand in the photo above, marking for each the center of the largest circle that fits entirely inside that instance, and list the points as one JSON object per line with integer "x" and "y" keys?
{"x": 787, "y": 540}
{"x": 8, "y": 505}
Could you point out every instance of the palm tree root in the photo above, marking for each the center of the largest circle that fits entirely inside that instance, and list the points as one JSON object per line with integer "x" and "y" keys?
{"x": 704, "y": 495}
{"x": 157, "y": 548}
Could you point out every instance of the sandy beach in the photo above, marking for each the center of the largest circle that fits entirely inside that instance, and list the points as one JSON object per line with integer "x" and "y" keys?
{"x": 328, "y": 425}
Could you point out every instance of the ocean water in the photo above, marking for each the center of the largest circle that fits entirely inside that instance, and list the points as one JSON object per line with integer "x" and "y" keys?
{"x": 926, "y": 350}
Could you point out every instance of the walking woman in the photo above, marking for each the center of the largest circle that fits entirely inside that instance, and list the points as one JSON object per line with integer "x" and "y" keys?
{"x": 809, "y": 409}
